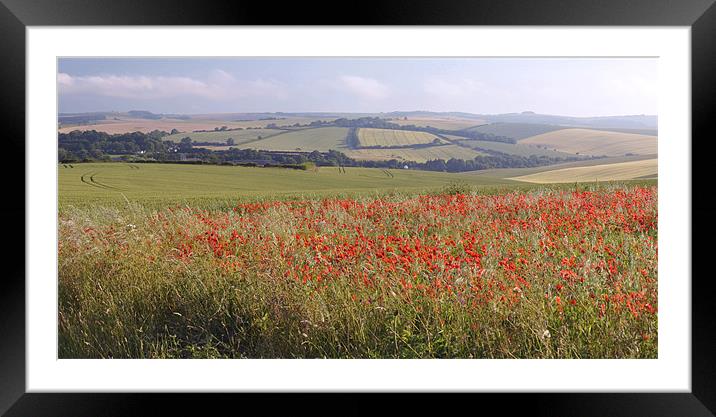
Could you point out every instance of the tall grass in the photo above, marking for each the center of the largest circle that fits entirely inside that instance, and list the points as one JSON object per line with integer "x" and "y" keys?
{"x": 280, "y": 280}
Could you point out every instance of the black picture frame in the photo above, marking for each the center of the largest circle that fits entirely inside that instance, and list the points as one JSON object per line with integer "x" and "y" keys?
{"x": 15, "y": 15}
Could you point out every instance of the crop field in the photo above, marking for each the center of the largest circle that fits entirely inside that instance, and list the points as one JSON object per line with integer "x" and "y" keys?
{"x": 646, "y": 168}
{"x": 388, "y": 137}
{"x": 320, "y": 139}
{"x": 158, "y": 185}
{"x": 595, "y": 142}
{"x": 519, "y": 149}
{"x": 239, "y": 136}
{"x": 644, "y": 131}
{"x": 258, "y": 122}
{"x": 544, "y": 273}
{"x": 418, "y": 155}
{"x": 515, "y": 130}
{"x": 447, "y": 123}
{"x": 516, "y": 172}
{"x": 126, "y": 125}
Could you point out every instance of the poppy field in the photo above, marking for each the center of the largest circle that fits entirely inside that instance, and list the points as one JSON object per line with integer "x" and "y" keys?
{"x": 550, "y": 272}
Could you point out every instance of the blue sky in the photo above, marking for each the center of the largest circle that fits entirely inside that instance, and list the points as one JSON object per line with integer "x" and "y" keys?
{"x": 571, "y": 87}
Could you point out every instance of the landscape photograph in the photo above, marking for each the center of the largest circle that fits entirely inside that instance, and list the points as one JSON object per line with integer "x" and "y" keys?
{"x": 357, "y": 208}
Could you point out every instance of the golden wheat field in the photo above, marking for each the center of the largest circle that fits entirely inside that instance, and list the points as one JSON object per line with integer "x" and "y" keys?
{"x": 646, "y": 168}
{"x": 595, "y": 142}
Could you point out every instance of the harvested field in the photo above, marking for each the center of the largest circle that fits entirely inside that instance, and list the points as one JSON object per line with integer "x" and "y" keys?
{"x": 595, "y": 142}
{"x": 608, "y": 172}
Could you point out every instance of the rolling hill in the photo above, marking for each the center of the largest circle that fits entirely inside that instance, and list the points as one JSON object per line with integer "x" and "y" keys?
{"x": 220, "y": 137}
{"x": 595, "y": 142}
{"x": 628, "y": 121}
{"x": 518, "y": 149}
{"x": 515, "y": 130}
{"x": 438, "y": 122}
{"x": 643, "y": 169}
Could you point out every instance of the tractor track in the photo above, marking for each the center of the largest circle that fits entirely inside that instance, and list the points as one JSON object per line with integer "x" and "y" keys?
{"x": 82, "y": 178}
{"x": 96, "y": 183}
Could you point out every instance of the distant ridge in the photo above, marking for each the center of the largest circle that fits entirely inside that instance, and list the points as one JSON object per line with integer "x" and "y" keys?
{"x": 615, "y": 122}
{"x": 627, "y": 121}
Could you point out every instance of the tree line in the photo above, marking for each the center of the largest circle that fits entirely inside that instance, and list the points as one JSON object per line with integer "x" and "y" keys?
{"x": 88, "y": 146}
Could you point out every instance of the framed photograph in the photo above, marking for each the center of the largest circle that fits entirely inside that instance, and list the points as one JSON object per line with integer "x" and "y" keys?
{"x": 468, "y": 203}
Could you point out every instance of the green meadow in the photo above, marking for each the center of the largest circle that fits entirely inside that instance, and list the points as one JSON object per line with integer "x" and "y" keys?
{"x": 159, "y": 185}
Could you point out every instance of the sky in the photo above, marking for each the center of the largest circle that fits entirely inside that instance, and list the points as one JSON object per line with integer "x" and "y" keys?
{"x": 559, "y": 86}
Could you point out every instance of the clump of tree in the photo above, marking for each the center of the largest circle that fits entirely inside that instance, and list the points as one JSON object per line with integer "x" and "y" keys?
{"x": 93, "y": 145}
{"x": 185, "y": 145}
{"x": 481, "y": 162}
{"x": 352, "y": 138}
{"x": 80, "y": 119}
{"x": 143, "y": 114}
{"x": 369, "y": 122}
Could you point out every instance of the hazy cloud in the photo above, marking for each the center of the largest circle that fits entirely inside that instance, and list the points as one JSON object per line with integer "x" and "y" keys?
{"x": 366, "y": 88}
{"x": 219, "y": 85}
{"x": 602, "y": 86}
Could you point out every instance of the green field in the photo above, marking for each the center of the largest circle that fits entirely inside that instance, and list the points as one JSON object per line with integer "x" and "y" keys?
{"x": 160, "y": 185}
{"x": 515, "y": 130}
{"x": 417, "y": 155}
{"x": 164, "y": 184}
{"x": 220, "y": 137}
{"x": 389, "y": 137}
{"x": 320, "y": 139}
